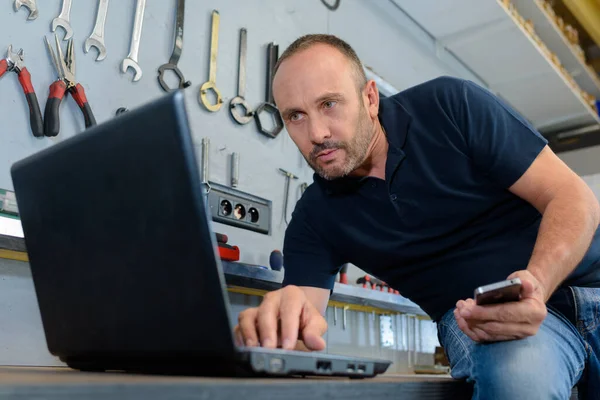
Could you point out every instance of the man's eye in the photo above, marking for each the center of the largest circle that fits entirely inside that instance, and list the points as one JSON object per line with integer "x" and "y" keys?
{"x": 295, "y": 117}
{"x": 329, "y": 104}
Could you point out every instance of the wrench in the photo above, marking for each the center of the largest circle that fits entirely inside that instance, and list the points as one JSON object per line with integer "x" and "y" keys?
{"x": 132, "y": 58}
{"x": 31, "y": 5}
{"x": 239, "y": 99}
{"x": 212, "y": 84}
{"x": 172, "y": 64}
{"x": 63, "y": 20}
{"x": 96, "y": 39}
{"x": 269, "y": 106}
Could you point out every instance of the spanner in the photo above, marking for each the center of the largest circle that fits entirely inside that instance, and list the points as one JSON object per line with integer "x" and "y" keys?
{"x": 172, "y": 64}
{"x": 63, "y": 20}
{"x": 96, "y": 39}
{"x": 31, "y": 5}
{"x": 132, "y": 58}
{"x": 212, "y": 79}
{"x": 239, "y": 100}
{"x": 269, "y": 106}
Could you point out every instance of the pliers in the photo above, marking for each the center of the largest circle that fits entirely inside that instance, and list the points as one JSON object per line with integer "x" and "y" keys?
{"x": 65, "y": 67}
{"x": 15, "y": 62}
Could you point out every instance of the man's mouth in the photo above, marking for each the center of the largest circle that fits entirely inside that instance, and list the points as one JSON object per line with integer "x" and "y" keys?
{"x": 327, "y": 155}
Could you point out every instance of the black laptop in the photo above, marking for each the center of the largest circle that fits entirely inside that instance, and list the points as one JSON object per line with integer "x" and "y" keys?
{"x": 124, "y": 261}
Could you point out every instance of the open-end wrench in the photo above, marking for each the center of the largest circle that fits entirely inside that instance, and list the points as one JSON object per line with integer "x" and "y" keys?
{"x": 172, "y": 64}
{"x": 96, "y": 39}
{"x": 212, "y": 79}
{"x": 31, "y": 5}
{"x": 132, "y": 58}
{"x": 239, "y": 100}
{"x": 63, "y": 20}
{"x": 269, "y": 106}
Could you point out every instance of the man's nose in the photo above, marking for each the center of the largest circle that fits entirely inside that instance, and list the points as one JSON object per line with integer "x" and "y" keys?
{"x": 318, "y": 131}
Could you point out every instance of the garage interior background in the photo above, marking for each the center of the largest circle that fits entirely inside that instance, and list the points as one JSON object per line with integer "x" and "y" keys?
{"x": 401, "y": 43}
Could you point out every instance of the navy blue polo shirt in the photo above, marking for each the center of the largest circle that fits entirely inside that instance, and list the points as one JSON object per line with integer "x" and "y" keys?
{"x": 442, "y": 222}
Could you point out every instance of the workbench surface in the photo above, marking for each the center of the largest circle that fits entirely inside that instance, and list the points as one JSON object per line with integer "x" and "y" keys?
{"x": 65, "y": 383}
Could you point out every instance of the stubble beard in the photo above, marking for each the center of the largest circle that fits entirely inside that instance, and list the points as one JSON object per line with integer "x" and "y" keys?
{"x": 355, "y": 151}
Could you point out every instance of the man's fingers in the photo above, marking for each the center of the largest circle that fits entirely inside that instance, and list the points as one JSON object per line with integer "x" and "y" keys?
{"x": 313, "y": 328}
{"x": 518, "y": 311}
{"x": 247, "y": 327}
{"x": 291, "y": 308}
{"x": 237, "y": 335}
{"x": 527, "y": 289}
{"x": 507, "y": 329}
{"x": 267, "y": 320}
{"x": 464, "y": 326}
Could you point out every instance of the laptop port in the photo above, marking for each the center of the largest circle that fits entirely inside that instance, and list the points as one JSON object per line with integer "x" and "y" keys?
{"x": 351, "y": 368}
{"x": 361, "y": 369}
{"x": 324, "y": 366}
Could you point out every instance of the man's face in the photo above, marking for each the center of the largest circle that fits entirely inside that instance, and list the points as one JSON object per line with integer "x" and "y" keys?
{"x": 324, "y": 113}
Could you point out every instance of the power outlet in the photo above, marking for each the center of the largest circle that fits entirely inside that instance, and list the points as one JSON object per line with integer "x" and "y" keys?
{"x": 242, "y": 210}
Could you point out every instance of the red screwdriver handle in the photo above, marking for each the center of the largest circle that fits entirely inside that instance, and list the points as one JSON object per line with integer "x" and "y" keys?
{"x": 35, "y": 115}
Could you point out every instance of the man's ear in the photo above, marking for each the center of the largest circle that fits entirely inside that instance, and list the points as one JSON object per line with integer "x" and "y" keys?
{"x": 372, "y": 97}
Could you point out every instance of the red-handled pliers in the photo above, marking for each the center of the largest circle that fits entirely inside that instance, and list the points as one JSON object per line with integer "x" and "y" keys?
{"x": 14, "y": 62}
{"x": 65, "y": 67}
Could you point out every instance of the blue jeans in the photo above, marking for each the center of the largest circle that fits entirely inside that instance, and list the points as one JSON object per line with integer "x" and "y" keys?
{"x": 545, "y": 366}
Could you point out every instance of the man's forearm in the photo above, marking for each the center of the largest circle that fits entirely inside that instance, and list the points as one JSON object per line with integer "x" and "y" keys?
{"x": 568, "y": 225}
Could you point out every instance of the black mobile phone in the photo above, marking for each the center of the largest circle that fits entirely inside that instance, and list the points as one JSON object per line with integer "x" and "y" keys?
{"x": 499, "y": 292}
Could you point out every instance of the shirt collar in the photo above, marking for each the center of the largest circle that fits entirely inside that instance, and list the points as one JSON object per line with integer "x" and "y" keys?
{"x": 395, "y": 121}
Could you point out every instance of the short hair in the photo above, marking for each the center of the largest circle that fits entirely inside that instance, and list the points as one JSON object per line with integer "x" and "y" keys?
{"x": 307, "y": 41}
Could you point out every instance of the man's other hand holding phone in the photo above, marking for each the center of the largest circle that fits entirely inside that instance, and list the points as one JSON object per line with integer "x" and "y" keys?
{"x": 505, "y": 321}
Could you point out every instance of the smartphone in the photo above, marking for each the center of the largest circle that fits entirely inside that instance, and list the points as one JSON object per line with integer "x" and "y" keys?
{"x": 499, "y": 292}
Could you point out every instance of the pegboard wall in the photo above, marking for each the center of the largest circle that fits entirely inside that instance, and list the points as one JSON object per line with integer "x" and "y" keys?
{"x": 386, "y": 48}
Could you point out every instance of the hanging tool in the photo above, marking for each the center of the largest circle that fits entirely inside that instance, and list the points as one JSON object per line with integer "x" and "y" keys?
{"x": 96, "y": 39}
{"x": 332, "y": 7}
{"x": 212, "y": 79}
{"x": 239, "y": 100}
{"x": 269, "y": 106}
{"x": 205, "y": 153}
{"x": 131, "y": 61}
{"x": 65, "y": 68}
{"x": 14, "y": 62}
{"x": 235, "y": 169}
{"x": 288, "y": 178}
{"x": 63, "y": 20}
{"x": 303, "y": 187}
{"x": 31, "y": 6}
{"x": 176, "y": 54}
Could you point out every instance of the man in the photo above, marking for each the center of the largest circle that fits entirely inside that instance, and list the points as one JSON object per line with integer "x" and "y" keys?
{"x": 437, "y": 190}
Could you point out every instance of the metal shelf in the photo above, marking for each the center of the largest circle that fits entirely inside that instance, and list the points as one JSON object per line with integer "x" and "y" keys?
{"x": 553, "y": 37}
{"x": 497, "y": 45}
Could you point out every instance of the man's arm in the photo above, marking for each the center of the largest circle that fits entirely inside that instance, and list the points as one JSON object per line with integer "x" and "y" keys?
{"x": 570, "y": 218}
{"x": 508, "y": 150}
